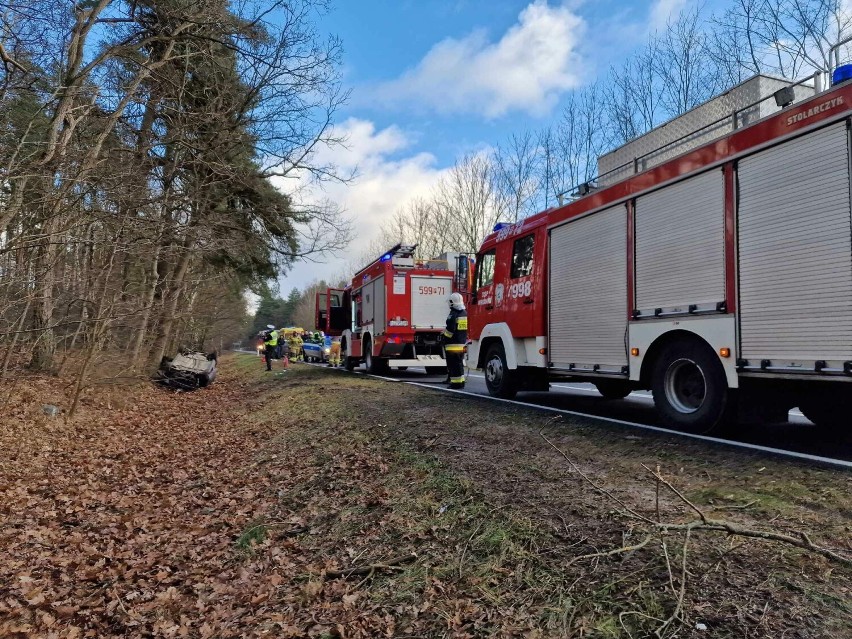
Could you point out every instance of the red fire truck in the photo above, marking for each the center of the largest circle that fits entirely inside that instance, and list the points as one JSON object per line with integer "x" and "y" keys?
{"x": 393, "y": 312}
{"x": 711, "y": 263}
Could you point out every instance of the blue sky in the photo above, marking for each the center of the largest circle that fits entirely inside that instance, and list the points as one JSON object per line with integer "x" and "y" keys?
{"x": 434, "y": 79}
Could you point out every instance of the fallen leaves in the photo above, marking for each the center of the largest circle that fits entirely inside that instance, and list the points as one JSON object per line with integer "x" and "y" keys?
{"x": 268, "y": 507}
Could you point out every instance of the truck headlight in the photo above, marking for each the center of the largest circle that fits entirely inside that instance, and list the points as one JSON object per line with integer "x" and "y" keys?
{"x": 326, "y": 350}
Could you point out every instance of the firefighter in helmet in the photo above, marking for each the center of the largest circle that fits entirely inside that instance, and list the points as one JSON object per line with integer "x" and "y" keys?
{"x": 270, "y": 343}
{"x": 455, "y": 340}
{"x": 296, "y": 347}
{"x": 334, "y": 353}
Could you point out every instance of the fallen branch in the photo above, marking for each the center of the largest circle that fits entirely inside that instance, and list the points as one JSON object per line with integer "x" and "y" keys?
{"x": 390, "y": 564}
{"x": 800, "y": 540}
{"x": 627, "y": 510}
{"x": 704, "y": 523}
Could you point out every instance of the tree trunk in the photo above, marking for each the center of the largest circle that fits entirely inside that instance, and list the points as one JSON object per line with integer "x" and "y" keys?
{"x": 167, "y": 319}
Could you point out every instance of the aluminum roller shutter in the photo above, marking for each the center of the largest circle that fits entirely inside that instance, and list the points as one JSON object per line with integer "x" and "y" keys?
{"x": 367, "y": 303}
{"x": 379, "y": 293}
{"x": 680, "y": 244}
{"x": 795, "y": 250}
{"x": 588, "y": 290}
{"x": 429, "y": 297}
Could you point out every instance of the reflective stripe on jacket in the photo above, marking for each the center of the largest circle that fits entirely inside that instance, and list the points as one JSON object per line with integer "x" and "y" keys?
{"x": 456, "y": 330}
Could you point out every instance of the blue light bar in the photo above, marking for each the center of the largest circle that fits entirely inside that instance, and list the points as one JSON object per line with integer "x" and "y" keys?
{"x": 500, "y": 225}
{"x": 386, "y": 257}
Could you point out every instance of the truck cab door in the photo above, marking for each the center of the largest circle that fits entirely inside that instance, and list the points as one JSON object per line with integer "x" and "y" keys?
{"x": 321, "y": 312}
{"x": 482, "y": 308}
{"x": 337, "y": 311}
{"x": 520, "y": 294}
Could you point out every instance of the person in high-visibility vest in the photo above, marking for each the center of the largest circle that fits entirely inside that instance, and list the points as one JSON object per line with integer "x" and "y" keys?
{"x": 295, "y": 348}
{"x": 270, "y": 344}
{"x": 334, "y": 354}
{"x": 455, "y": 340}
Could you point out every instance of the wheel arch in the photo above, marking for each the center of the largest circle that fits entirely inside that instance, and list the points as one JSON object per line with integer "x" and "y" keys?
{"x": 717, "y": 333}
{"x": 497, "y": 333}
{"x": 657, "y": 347}
{"x": 485, "y": 345}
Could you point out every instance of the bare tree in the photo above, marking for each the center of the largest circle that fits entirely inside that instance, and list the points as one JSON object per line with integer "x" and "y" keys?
{"x": 516, "y": 175}
{"x": 683, "y": 64}
{"x": 139, "y": 139}
{"x": 466, "y": 202}
{"x": 632, "y": 94}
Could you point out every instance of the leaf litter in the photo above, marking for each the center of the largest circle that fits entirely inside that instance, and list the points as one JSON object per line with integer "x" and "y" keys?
{"x": 280, "y": 506}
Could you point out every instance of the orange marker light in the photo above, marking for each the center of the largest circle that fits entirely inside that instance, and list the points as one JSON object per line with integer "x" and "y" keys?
{"x": 725, "y": 352}
{"x": 635, "y": 352}
{"x": 542, "y": 351}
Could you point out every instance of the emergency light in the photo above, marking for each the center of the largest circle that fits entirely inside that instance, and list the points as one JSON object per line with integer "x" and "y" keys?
{"x": 841, "y": 74}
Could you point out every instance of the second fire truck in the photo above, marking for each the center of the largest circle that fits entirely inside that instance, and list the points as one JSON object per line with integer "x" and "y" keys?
{"x": 393, "y": 312}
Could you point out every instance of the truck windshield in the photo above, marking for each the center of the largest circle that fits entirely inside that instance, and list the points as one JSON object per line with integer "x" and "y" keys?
{"x": 485, "y": 269}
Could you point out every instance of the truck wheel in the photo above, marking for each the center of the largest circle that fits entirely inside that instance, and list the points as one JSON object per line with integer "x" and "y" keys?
{"x": 501, "y": 381}
{"x": 375, "y": 365}
{"x": 690, "y": 389}
{"x": 613, "y": 388}
{"x": 349, "y": 363}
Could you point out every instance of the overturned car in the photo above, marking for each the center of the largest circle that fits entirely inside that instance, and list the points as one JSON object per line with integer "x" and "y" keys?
{"x": 188, "y": 370}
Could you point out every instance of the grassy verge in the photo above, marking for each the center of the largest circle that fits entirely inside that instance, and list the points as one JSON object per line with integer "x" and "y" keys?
{"x": 473, "y": 493}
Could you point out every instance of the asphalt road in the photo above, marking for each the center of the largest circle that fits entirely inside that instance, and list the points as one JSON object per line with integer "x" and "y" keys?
{"x": 796, "y": 435}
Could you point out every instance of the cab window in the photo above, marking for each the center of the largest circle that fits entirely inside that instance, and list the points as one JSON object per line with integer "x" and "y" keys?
{"x": 485, "y": 269}
{"x": 522, "y": 257}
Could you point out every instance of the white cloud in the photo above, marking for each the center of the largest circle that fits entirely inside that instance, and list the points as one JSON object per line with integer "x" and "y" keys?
{"x": 383, "y": 184}
{"x": 662, "y": 11}
{"x": 531, "y": 65}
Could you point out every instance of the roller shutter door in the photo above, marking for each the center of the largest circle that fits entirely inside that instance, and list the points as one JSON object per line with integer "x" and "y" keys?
{"x": 367, "y": 303}
{"x": 680, "y": 244}
{"x": 429, "y": 297}
{"x": 795, "y": 251}
{"x": 588, "y": 291}
{"x": 379, "y": 305}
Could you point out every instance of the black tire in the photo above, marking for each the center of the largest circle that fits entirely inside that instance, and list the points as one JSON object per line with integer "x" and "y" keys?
{"x": 436, "y": 370}
{"x": 374, "y": 365}
{"x": 501, "y": 381}
{"x": 690, "y": 388}
{"x": 349, "y": 363}
{"x": 613, "y": 388}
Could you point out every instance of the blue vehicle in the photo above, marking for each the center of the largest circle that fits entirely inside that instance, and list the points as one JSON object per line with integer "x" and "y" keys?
{"x": 315, "y": 352}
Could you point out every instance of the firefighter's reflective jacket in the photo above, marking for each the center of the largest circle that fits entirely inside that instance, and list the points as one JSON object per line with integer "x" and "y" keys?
{"x": 456, "y": 332}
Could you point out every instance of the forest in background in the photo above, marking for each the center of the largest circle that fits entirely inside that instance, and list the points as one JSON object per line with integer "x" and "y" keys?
{"x": 138, "y": 139}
